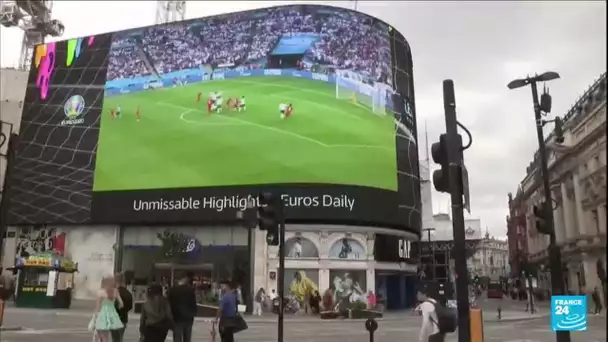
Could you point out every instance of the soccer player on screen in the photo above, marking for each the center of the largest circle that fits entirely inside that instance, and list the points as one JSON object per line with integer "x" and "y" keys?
{"x": 240, "y": 103}
{"x": 209, "y": 105}
{"x": 285, "y": 110}
{"x": 112, "y": 114}
{"x": 198, "y": 97}
{"x": 118, "y": 112}
{"x": 137, "y": 114}
{"x": 229, "y": 103}
{"x": 217, "y": 107}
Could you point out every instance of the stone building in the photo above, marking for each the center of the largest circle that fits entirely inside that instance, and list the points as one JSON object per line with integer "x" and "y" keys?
{"x": 577, "y": 169}
{"x": 491, "y": 259}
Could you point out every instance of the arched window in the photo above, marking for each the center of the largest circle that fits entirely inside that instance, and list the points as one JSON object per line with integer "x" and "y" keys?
{"x": 299, "y": 247}
{"x": 347, "y": 249}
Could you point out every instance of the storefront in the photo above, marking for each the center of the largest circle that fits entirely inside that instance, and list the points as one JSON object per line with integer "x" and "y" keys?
{"x": 342, "y": 262}
{"x": 208, "y": 254}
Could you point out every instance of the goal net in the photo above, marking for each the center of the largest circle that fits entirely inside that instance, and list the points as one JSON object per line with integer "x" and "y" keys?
{"x": 362, "y": 94}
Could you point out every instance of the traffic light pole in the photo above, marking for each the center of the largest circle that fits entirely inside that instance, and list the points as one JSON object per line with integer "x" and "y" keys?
{"x": 281, "y": 273}
{"x": 454, "y": 155}
{"x": 555, "y": 257}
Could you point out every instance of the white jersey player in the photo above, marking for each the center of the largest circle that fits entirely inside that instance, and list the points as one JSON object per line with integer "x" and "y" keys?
{"x": 285, "y": 110}
{"x": 216, "y": 106}
{"x": 241, "y": 105}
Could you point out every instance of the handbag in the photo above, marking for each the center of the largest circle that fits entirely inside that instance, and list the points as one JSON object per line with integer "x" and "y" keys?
{"x": 236, "y": 323}
{"x": 91, "y": 326}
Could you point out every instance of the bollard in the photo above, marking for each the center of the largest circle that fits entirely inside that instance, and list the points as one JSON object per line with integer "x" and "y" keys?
{"x": 1, "y": 311}
{"x": 499, "y": 312}
{"x": 476, "y": 324}
{"x": 371, "y": 326}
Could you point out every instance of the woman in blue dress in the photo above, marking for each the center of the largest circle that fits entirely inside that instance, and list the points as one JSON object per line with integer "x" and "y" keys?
{"x": 106, "y": 317}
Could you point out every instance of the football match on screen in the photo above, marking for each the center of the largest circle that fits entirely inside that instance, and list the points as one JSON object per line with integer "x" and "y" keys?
{"x": 296, "y": 99}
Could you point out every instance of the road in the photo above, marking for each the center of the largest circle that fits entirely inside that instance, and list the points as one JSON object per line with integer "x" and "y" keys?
{"x": 68, "y": 327}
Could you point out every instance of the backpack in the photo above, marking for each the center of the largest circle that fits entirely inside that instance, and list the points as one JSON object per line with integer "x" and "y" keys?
{"x": 446, "y": 318}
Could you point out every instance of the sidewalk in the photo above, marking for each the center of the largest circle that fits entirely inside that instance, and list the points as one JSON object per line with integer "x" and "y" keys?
{"x": 270, "y": 318}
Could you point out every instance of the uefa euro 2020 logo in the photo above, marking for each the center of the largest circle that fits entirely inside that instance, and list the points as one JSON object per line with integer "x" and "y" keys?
{"x": 73, "y": 108}
{"x": 569, "y": 313}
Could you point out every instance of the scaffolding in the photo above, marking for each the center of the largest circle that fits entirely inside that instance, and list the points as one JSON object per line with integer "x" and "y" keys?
{"x": 34, "y": 18}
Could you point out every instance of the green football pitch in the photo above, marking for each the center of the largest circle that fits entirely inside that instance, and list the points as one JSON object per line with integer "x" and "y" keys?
{"x": 176, "y": 144}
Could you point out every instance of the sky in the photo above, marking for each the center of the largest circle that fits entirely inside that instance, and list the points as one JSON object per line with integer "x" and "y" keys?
{"x": 480, "y": 45}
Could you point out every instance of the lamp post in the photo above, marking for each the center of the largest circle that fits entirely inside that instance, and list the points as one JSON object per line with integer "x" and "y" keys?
{"x": 555, "y": 257}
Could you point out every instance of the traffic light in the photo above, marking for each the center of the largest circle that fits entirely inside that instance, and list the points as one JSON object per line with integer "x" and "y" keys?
{"x": 539, "y": 218}
{"x": 439, "y": 151}
{"x": 270, "y": 216}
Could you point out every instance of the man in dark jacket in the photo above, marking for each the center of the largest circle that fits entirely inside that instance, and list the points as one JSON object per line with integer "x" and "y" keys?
{"x": 183, "y": 306}
{"x": 123, "y": 312}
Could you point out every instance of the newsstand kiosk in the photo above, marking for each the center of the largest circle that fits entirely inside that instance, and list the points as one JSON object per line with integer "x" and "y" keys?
{"x": 44, "y": 281}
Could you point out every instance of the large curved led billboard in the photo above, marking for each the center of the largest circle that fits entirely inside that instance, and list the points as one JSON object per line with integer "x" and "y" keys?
{"x": 184, "y": 123}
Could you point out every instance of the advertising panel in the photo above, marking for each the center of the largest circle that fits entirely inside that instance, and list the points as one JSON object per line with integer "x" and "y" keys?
{"x": 186, "y": 123}
{"x": 348, "y": 286}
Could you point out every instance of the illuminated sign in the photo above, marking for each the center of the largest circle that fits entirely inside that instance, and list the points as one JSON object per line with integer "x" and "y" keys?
{"x": 168, "y": 125}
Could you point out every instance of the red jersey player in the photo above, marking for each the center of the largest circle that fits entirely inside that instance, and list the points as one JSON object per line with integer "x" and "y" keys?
{"x": 209, "y": 105}
{"x": 112, "y": 114}
{"x": 288, "y": 111}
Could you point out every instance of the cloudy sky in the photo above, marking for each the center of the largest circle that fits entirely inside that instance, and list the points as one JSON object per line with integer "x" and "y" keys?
{"x": 480, "y": 45}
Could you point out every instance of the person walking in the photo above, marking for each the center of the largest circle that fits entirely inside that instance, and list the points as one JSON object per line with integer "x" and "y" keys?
{"x": 597, "y": 301}
{"x": 258, "y": 300}
{"x": 123, "y": 311}
{"x": 105, "y": 318}
{"x": 228, "y": 319}
{"x": 437, "y": 319}
{"x": 156, "y": 318}
{"x": 182, "y": 299}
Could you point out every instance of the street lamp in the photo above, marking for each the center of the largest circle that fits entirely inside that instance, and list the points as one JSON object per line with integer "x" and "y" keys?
{"x": 555, "y": 257}
{"x": 544, "y": 77}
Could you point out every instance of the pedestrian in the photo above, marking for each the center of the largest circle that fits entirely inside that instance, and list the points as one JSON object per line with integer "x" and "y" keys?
{"x": 597, "y": 301}
{"x": 123, "y": 311}
{"x": 257, "y": 302}
{"x": 182, "y": 299}
{"x": 371, "y": 300}
{"x": 156, "y": 318}
{"x": 228, "y": 320}
{"x": 105, "y": 317}
{"x": 437, "y": 320}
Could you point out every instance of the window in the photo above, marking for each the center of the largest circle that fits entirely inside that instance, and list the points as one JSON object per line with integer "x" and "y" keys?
{"x": 596, "y": 220}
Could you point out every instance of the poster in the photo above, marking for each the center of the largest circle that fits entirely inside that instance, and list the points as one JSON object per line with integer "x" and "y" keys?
{"x": 348, "y": 287}
{"x": 298, "y": 282}
{"x": 299, "y": 247}
{"x": 348, "y": 249}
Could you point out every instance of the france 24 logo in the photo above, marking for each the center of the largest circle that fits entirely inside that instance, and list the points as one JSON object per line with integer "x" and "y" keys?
{"x": 568, "y": 313}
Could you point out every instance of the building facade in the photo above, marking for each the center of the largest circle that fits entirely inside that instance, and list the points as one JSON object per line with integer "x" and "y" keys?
{"x": 577, "y": 169}
{"x": 12, "y": 90}
{"x": 517, "y": 234}
{"x": 491, "y": 259}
